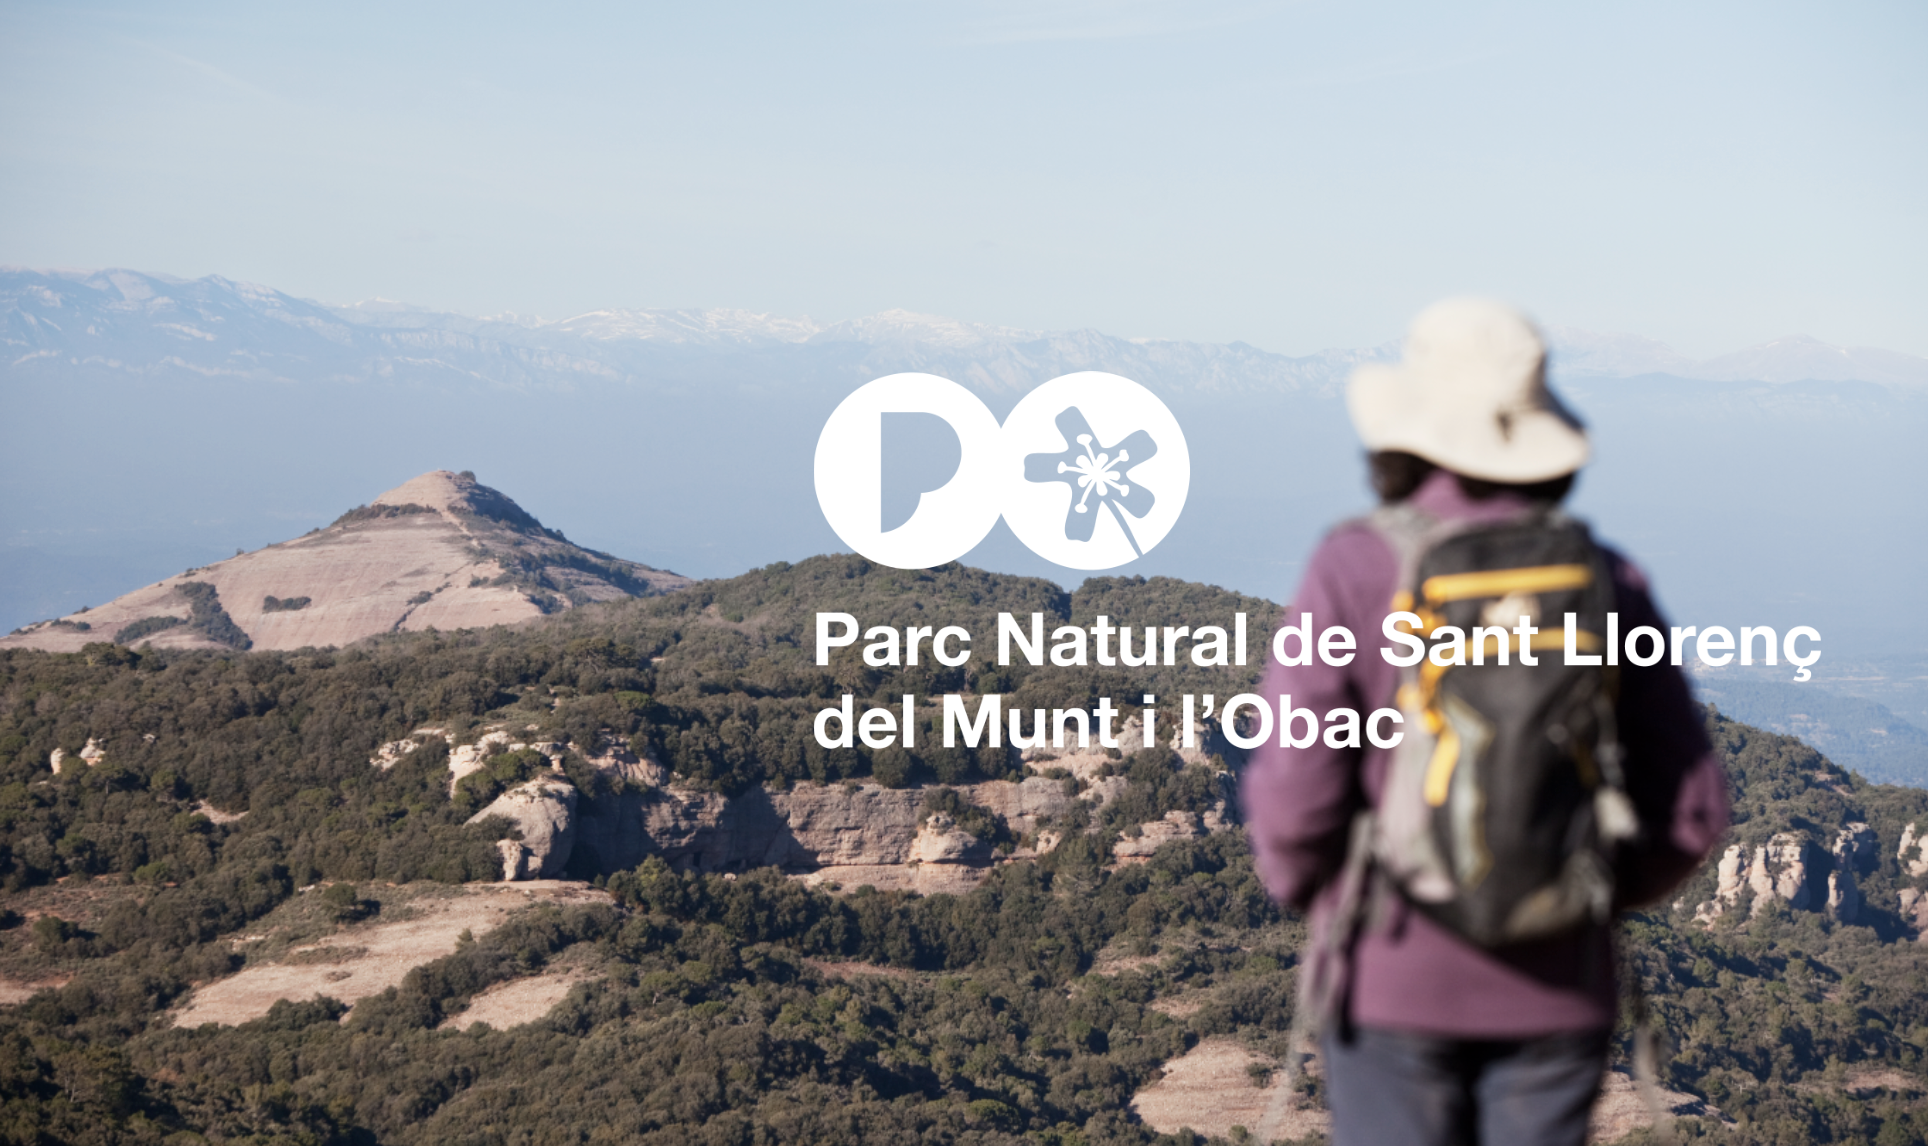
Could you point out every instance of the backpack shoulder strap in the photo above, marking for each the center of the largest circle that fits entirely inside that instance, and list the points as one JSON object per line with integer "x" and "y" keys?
{"x": 1410, "y": 531}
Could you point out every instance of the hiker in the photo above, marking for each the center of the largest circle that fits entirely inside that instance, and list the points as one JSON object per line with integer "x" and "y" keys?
{"x": 1448, "y": 1019}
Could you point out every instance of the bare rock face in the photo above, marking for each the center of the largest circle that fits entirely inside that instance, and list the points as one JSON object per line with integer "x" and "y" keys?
{"x": 806, "y": 828}
{"x": 441, "y": 551}
{"x": 1175, "y": 826}
{"x": 543, "y": 810}
{"x": 1914, "y": 912}
{"x": 1024, "y": 804}
{"x": 1727, "y": 892}
{"x": 846, "y": 825}
{"x": 466, "y": 759}
{"x": 391, "y": 753}
{"x": 1780, "y": 871}
{"x": 612, "y": 757}
{"x": 1855, "y": 847}
{"x": 91, "y": 754}
{"x": 1731, "y": 862}
{"x": 848, "y": 832}
{"x": 1844, "y": 898}
{"x": 940, "y": 840}
{"x": 1913, "y": 852}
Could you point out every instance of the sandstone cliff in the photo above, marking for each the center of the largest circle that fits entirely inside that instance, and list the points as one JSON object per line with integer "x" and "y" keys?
{"x": 543, "y": 811}
{"x": 440, "y": 551}
{"x": 848, "y": 833}
{"x": 1789, "y": 869}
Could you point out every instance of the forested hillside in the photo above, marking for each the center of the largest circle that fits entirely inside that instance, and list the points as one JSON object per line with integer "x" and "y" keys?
{"x": 229, "y": 797}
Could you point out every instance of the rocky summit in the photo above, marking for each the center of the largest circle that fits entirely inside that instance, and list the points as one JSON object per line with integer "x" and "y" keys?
{"x": 441, "y": 551}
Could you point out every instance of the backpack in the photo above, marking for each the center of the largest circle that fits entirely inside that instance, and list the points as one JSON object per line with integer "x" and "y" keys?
{"x": 1505, "y": 801}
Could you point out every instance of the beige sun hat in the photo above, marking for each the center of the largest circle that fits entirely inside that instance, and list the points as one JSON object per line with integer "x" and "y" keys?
{"x": 1470, "y": 395}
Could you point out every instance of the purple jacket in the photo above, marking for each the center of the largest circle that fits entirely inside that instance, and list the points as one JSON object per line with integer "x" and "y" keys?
{"x": 1409, "y": 973}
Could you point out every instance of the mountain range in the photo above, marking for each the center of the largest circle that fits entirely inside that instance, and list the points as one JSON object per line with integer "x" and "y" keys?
{"x": 149, "y": 325}
{"x": 162, "y": 424}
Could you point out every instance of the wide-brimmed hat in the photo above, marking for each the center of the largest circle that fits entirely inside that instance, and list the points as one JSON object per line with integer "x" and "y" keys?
{"x": 1470, "y": 395}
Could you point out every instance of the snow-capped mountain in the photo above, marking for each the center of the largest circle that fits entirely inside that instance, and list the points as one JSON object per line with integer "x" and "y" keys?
{"x": 149, "y": 325}
{"x": 717, "y": 327}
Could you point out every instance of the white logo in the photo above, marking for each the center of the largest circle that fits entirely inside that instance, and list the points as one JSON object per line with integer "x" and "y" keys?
{"x": 1090, "y": 470}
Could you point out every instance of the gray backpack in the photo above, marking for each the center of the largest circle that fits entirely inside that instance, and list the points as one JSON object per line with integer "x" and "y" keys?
{"x": 1505, "y": 800}
{"x": 1505, "y": 803}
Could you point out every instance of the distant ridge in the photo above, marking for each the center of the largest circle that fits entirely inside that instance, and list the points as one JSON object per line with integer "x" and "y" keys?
{"x": 439, "y": 551}
{"x": 130, "y": 323}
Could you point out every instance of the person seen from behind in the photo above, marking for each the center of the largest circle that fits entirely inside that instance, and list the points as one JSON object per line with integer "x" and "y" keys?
{"x": 1462, "y": 885}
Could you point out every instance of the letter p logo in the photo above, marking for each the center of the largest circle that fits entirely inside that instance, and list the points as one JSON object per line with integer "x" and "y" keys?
{"x": 1090, "y": 471}
{"x": 935, "y": 525}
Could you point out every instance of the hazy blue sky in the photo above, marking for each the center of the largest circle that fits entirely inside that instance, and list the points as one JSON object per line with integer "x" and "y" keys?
{"x": 1293, "y": 175}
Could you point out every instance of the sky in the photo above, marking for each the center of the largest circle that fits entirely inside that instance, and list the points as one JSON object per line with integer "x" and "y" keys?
{"x": 1292, "y": 175}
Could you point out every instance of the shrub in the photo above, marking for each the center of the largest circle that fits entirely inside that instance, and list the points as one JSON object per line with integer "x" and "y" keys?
{"x": 146, "y": 627}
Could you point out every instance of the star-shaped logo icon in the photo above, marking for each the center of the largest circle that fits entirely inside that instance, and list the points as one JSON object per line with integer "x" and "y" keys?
{"x": 1097, "y": 476}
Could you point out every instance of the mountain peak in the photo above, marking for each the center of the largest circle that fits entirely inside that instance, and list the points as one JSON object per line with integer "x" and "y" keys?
{"x": 443, "y": 490}
{"x": 441, "y": 550}
{"x": 456, "y": 495}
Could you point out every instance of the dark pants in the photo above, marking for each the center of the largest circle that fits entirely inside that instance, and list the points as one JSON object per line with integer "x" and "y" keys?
{"x": 1388, "y": 1088}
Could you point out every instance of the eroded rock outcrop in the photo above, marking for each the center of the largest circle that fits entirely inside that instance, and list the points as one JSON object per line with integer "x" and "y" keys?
{"x": 391, "y": 753}
{"x": 844, "y": 832}
{"x": 805, "y": 828}
{"x": 1780, "y": 870}
{"x": 1914, "y": 912}
{"x": 1844, "y": 897}
{"x": 940, "y": 840}
{"x": 91, "y": 754}
{"x": 1855, "y": 847}
{"x": 1175, "y": 826}
{"x": 1728, "y": 885}
{"x": 543, "y": 811}
{"x": 1913, "y": 852}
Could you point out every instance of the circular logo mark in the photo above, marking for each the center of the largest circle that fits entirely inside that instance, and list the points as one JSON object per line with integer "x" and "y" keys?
{"x": 1090, "y": 471}
{"x": 1096, "y": 470}
{"x": 950, "y": 518}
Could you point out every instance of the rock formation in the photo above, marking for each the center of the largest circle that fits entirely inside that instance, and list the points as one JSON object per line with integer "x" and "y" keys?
{"x": 848, "y": 832}
{"x": 1913, "y": 852}
{"x": 1844, "y": 898}
{"x": 543, "y": 811}
{"x": 1855, "y": 847}
{"x": 940, "y": 840}
{"x": 1175, "y": 826}
{"x": 1788, "y": 869}
{"x": 1914, "y": 911}
{"x": 440, "y": 551}
{"x": 90, "y": 754}
{"x": 1779, "y": 870}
